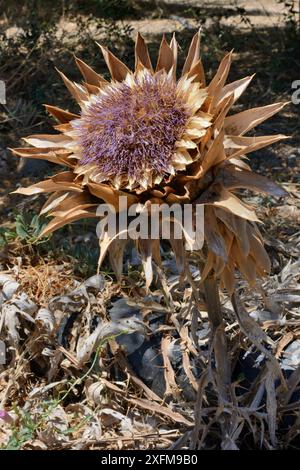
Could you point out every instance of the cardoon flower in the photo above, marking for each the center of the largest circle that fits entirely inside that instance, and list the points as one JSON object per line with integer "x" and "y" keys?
{"x": 152, "y": 138}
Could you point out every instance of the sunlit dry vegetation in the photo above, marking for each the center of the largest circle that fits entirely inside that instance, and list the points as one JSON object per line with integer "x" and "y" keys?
{"x": 193, "y": 353}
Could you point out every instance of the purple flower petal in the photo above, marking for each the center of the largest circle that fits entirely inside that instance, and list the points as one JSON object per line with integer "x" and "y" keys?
{"x": 6, "y": 416}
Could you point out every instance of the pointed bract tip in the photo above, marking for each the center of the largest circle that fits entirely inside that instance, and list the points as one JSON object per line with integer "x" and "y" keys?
{"x": 103, "y": 48}
{"x": 60, "y": 73}
{"x": 283, "y": 136}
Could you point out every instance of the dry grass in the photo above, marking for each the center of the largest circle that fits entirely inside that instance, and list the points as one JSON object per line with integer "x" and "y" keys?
{"x": 65, "y": 387}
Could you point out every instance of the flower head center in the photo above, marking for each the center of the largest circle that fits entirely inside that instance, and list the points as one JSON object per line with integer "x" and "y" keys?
{"x": 131, "y": 128}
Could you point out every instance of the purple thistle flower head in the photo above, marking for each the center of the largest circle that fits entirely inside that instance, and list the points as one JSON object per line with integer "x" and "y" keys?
{"x": 6, "y": 417}
{"x": 131, "y": 128}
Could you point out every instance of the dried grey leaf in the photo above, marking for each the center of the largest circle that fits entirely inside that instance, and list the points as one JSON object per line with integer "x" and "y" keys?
{"x": 291, "y": 356}
{"x": 45, "y": 319}
{"x": 95, "y": 282}
{"x": 38, "y": 391}
{"x": 95, "y": 392}
{"x": 123, "y": 309}
{"x": 291, "y": 270}
{"x": 110, "y": 417}
{"x": 105, "y": 331}
{"x": 9, "y": 289}
{"x": 11, "y": 322}
{"x": 25, "y": 304}
{"x": 264, "y": 315}
{"x": 271, "y": 402}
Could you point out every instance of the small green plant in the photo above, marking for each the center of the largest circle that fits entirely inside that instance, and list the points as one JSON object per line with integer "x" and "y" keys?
{"x": 23, "y": 432}
{"x": 29, "y": 227}
{"x": 6, "y": 236}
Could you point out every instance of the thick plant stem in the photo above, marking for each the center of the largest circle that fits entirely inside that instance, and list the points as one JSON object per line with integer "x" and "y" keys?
{"x": 220, "y": 344}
